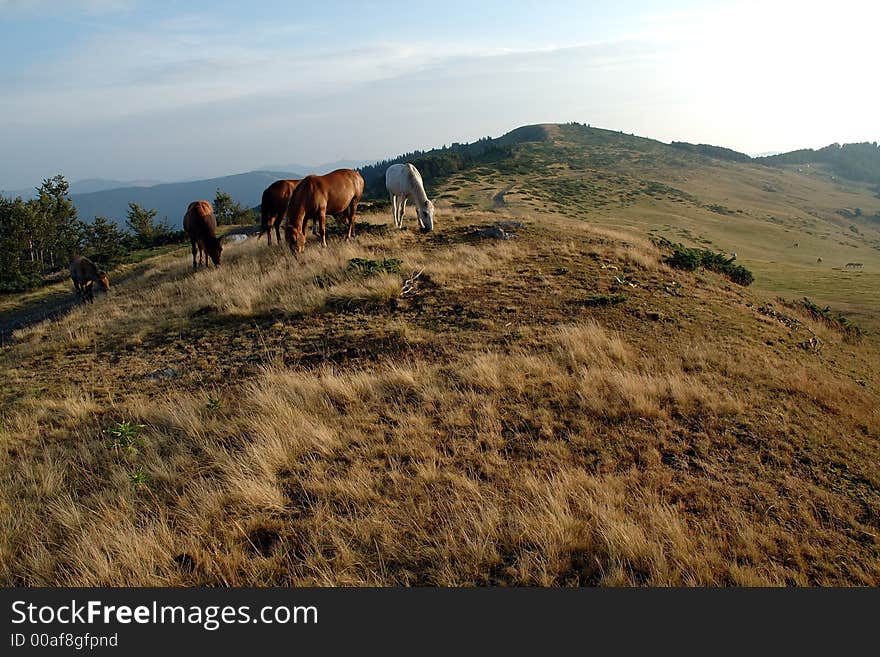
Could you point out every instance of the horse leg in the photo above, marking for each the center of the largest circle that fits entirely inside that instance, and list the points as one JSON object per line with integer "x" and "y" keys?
{"x": 322, "y": 217}
{"x": 193, "y": 244}
{"x": 394, "y": 208}
{"x": 402, "y": 211}
{"x": 277, "y": 230}
{"x": 352, "y": 212}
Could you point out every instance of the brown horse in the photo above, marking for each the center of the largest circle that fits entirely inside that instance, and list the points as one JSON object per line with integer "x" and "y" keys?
{"x": 200, "y": 225}
{"x": 337, "y": 193}
{"x": 85, "y": 273}
{"x": 273, "y": 206}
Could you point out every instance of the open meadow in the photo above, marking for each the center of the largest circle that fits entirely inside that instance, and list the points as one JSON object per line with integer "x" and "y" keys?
{"x": 559, "y": 408}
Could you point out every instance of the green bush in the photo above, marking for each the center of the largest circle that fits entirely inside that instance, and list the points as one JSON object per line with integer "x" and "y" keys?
{"x": 691, "y": 259}
{"x": 599, "y": 300}
{"x": 367, "y": 267}
{"x": 832, "y": 319}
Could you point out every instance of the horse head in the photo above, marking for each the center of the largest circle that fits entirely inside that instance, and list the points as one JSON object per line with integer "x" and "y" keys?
{"x": 214, "y": 249}
{"x": 295, "y": 238}
{"x": 103, "y": 280}
{"x": 426, "y": 217}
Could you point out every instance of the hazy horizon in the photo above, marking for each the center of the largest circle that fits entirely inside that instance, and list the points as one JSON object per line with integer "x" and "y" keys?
{"x": 134, "y": 90}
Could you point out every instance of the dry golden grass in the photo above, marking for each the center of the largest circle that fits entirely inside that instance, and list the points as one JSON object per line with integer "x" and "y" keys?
{"x": 487, "y": 428}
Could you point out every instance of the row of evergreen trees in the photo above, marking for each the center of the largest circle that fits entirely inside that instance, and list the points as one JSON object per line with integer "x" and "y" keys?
{"x": 859, "y": 161}
{"x": 38, "y": 236}
{"x": 434, "y": 164}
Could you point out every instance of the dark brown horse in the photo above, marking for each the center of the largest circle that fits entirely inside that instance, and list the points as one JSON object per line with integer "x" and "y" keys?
{"x": 337, "y": 193}
{"x": 85, "y": 273}
{"x": 200, "y": 225}
{"x": 273, "y": 206}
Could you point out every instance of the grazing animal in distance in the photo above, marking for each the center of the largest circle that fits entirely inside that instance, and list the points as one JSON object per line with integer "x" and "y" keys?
{"x": 337, "y": 193}
{"x": 201, "y": 226}
{"x": 403, "y": 181}
{"x": 85, "y": 274}
{"x": 273, "y": 206}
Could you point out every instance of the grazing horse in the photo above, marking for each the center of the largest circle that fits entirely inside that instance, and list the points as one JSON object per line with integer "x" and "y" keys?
{"x": 337, "y": 193}
{"x": 273, "y": 206}
{"x": 85, "y": 273}
{"x": 200, "y": 225}
{"x": 403, "y": 181}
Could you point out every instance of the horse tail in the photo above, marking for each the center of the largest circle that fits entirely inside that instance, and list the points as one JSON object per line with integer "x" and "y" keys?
{"x": 264, "y": 212}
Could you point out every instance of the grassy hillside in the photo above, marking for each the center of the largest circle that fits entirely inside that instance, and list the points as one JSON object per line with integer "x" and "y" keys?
{"x": 796, "y": 230}
{"x": 559, "y": 408}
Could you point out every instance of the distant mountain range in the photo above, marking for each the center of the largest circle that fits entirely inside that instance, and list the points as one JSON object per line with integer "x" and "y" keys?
{"x": 170, "y": 199}
{"x": 85, "y": 186}
{"x": 319, "y": 169}
{"x": 110, "y": 198}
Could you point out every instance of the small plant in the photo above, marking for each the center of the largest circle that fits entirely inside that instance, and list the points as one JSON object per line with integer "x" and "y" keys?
{"x": 321, "y": 281}
{"x": 139, "y": 479}
{"x": 834, "y": 320}
{"x": 598, "y": 300}
{"x": 213, "y": 403}
{"x": 367, "y": 267}
{"x": 124, "y": 436}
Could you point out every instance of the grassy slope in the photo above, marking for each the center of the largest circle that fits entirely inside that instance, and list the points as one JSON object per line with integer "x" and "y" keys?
{"x": 490, "y": 427}
{"x": 615, "y": 180}
{"x": 496, "y": 424}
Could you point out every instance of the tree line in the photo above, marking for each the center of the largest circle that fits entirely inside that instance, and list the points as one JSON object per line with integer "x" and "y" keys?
{"x": 434, "y": 164}
{"x": 859, "y": 161}
{"x": 38, "y": 236}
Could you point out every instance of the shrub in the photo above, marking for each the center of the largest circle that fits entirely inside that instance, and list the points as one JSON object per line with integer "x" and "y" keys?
{"x": 367, "y": 267}
{"x": 598, "y": 300}
{"x": 691, "y": 259}
{"x": 832, "y": 319}
{"x": 124, "y": 436}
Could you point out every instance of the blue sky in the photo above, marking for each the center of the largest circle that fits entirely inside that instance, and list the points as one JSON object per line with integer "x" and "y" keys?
{"x": 132, "y": 89}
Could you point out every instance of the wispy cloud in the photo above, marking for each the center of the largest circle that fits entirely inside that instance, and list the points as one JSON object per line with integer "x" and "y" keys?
{"x": 230, "y": 95}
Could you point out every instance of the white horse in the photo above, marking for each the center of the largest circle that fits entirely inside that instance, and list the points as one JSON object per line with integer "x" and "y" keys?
{"x": 403, "y": 181}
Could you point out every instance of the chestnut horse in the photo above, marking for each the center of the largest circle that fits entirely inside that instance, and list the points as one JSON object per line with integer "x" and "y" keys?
{"x": 337, "y": 193}
{"x": 85, "y": 273}
{"x": 200, "y": 225}
{"x": 273, "y": 206}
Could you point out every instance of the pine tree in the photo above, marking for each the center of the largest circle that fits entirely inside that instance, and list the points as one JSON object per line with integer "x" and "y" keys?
{"x": 140, "y": 222}
{"x": 57, "y": 232}
{"x": 227, "y": 211}
{"x": 19, "y": 269}
{"x": 105, "y": 242}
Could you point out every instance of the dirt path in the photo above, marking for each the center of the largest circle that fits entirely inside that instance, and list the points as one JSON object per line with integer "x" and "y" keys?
{"x": 56, "y": 303}
{"x": 48, "y": 308}
{"x": 498, "y": 200}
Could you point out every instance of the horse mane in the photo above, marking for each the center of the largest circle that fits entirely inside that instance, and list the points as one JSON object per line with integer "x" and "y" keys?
{"x": 417, "y": 185}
